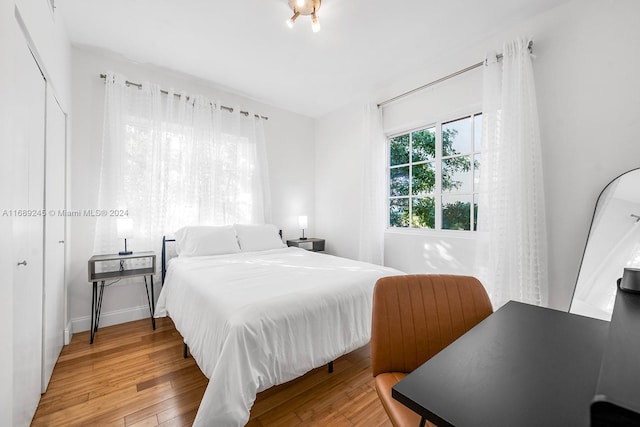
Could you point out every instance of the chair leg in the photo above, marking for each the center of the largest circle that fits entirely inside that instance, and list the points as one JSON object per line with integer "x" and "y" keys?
{"x": 423, "y": 421}
{"x": 185, "y": 351}
{"x": 330, "y": 367}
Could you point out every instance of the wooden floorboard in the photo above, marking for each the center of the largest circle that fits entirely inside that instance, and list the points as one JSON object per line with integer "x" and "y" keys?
{"x": 132, "y": 376}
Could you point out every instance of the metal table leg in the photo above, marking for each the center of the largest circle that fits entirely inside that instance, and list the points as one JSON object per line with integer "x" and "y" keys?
{"x": 96, "y": 307}
{"x": 99, "y": 308}
{"x": 150, "y": 301}
{"x": 93, "y": 310}
{"x": 153, "y": 305}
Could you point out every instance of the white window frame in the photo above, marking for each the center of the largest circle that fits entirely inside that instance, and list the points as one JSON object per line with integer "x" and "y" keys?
{"x": 437, "y": 160}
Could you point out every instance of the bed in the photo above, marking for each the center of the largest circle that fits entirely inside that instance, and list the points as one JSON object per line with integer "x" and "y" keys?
{"x": 255, "y": 313}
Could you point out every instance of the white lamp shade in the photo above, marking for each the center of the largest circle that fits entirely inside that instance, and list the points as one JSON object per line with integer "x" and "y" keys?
{"x": 302, "y": 221}
{"x": 125, "y": 228}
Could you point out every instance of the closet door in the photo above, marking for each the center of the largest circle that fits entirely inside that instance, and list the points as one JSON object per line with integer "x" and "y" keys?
{"x": 54, "y": 237}
{"x": 28, "y": 224}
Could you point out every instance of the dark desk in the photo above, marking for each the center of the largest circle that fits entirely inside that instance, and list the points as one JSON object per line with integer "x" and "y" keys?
{"x": 522, "y": 366}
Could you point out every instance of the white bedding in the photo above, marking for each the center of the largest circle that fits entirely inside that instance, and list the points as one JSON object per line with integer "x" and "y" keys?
{"x": 256, "y": 319}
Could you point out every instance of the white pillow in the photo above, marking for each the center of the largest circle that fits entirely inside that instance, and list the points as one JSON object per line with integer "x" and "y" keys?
{"x": 258, "y": 237}
{"x": 206, "y": 240}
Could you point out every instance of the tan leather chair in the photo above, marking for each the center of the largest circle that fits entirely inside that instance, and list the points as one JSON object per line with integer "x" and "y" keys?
{"x": 414, "y": 317}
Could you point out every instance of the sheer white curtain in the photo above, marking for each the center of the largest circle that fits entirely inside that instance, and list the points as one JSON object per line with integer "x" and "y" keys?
{"x": 511, "y": 212}
{"x": 170, "y": 161}
{"x": 372, "y": 214}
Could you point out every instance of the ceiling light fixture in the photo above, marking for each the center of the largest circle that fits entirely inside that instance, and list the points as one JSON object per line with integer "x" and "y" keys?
{"x": 291, "y": 20}
{"x": 307, "y": 8}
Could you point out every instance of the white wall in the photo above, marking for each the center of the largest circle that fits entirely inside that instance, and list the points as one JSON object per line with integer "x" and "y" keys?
{"x": 51, "y": 47}
{"x": 290, "y": 141}
{"x": 6, "y": 250}
{"x": 338, "y": 181}
{"x": 588, "y": 108}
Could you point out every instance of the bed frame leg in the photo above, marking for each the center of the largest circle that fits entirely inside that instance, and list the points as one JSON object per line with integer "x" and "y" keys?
{"x": 185, "y": 350}
{"x": 330, "y": 367}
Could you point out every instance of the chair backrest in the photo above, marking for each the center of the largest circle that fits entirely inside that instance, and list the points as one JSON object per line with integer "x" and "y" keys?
{"x": 416, "y": 316}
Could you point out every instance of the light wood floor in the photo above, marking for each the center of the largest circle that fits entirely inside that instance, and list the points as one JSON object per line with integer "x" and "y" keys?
{"x": 134, "y": 376}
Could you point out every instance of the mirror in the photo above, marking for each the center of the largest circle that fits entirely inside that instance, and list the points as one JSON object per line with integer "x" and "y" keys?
{"x": 613, "y": 244}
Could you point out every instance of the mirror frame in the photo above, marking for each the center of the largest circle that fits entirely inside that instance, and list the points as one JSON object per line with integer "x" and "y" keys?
{"x": 593, "y": 216}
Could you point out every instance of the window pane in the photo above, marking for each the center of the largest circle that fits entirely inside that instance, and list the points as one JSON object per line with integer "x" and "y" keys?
{"x": 424, "y": 182}
{"x": 423, "y": 212}
{"x": 477, "y": 132}
{"x": 475, "y": 212}
{"x": 456, "y": 212}
{"x": 399, "y": 150}
{"x": 424, "y": 145}
{"x": 456, "y": 175}
{"x": 456, "y": 137}
{"x": 399, "y": 181}
{"x": 399, "y": 212}
{"x": 423, "y": 179}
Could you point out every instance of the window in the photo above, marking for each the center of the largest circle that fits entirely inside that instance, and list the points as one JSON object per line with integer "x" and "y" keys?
{"x": 190, "y": 168}
{"x": 433, "y": 176}
{"x": 170, "y": 161}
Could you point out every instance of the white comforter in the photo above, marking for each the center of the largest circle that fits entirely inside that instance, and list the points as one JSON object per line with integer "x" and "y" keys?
{"x": 257, "y": 319}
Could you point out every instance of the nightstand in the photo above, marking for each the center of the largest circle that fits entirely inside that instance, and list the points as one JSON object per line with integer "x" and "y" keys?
{"x": 121, "y": 273}
{"x": 310, "y": 244}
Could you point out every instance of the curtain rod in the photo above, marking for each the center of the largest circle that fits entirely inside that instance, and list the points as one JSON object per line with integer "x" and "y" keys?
{"x": 224, "y": 107}
{"x": 447, "y": 77}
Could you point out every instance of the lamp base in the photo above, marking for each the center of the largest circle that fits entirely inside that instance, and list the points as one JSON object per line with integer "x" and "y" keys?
{"x": 126, "y": 251}
{"x": 303, "y": 238}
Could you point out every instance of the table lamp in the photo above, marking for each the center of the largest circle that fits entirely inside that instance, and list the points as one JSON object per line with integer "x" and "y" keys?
{"x": 125, "y": 230}
{"x": 302, "y": 221}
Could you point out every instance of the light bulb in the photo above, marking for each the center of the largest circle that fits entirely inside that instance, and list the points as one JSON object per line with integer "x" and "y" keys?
{"x": 300, "y": 3}
{"x": 315, "y": 23}
{"x": 291, "y": 20}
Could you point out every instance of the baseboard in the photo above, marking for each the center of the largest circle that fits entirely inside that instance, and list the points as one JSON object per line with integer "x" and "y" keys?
{"x": 68, "y": 333}
{"x": 111, "y": 318}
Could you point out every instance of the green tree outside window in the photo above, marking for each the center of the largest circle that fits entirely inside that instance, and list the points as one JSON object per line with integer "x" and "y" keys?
{"x": 413, "y": 171}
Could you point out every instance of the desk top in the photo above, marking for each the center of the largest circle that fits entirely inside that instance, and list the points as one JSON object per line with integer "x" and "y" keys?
{"x": 522, "y": 366}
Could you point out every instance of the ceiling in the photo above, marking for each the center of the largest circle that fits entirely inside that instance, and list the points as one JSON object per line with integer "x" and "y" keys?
{"x": 246, "y": 47}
